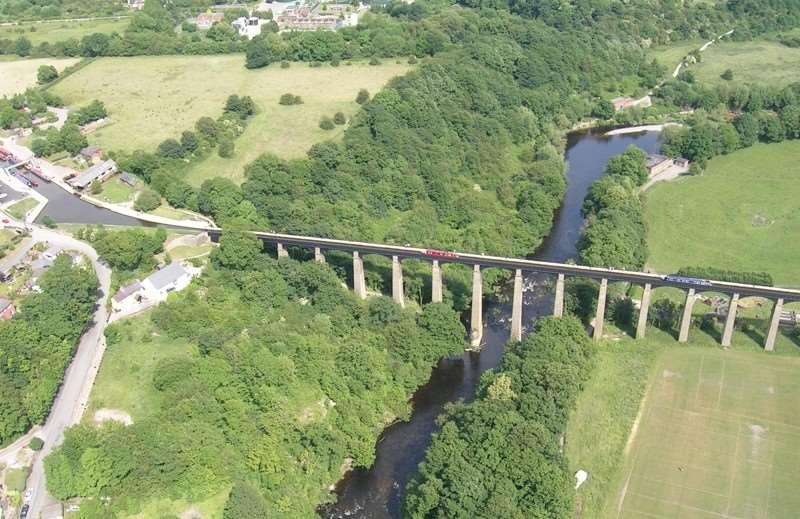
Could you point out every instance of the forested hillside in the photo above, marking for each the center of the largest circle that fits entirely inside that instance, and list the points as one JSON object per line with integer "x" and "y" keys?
{"x": 38, "y": 343}
{"x": 292, "y": 375}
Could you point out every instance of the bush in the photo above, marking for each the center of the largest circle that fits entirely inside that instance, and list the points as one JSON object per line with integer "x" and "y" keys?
{"x": 171, "y": 148}
{"x": 147, "y": 201}
{"x": 284, "y": 64}
{"x": 326, "y": 123}
{"x": 290, "y": 99}
{"x": 374, "y": 61}
{"x": 362, "y": 97}
{"x": 339, "y": 118}
{"x": 49, "y": 222}
{"x": 335, "y": 62}
{"x": 36, "y": 443}
{"x": 412, "y": 60}
{"x": 96, "y": 188}
{"x": 315, "y": 64}
{"x": 46, "y": 74}
{"x": 727, "y": 75}
{"x": 226, "y": 148}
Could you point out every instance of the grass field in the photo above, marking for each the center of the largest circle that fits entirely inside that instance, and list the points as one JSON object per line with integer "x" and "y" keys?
{"x": 762, "y": 62}
{"x": 718, "y": 437}
{"x": 20, "y": 208}
{"x": 740, "y": 215}
{"x": 671, "y": 55}
{"x": 123, "y": 382}
{"x": 154, "y": 98}
{"x": 116, "y": 191}
{"x": 59, "y": 31}
{"x": 17, "y": 75}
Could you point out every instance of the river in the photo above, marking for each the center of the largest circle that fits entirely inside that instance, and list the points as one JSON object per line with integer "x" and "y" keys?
{"x": 378, "y": 493}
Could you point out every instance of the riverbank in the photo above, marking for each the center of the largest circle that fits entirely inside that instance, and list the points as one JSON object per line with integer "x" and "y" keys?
{"x": 643, "y": 128}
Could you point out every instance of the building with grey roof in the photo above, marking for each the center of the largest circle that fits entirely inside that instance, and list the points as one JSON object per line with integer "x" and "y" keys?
{"x": 98, "y": 172}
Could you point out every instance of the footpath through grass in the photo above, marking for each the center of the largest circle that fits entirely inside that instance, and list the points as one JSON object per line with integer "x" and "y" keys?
{"x": 762, "y": 62}
{"x": 715, "y": 436}
{"x": 154, "y": 98}
{"x": 743, "y": 213}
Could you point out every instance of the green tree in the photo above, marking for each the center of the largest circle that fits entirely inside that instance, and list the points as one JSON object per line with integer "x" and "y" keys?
{"x": 46, "y": 74}
{"x": 147, "y": 200}
{"x": 245, "y": 501}
{"x": 238, "y": 251}
{"x": 362, "y": 97}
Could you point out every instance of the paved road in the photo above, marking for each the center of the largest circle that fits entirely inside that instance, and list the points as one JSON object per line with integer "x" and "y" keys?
{"x": 78, "y": 379}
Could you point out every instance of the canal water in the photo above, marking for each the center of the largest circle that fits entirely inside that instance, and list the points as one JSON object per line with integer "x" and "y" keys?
{"x": 378, "y": 493}
{"x": 64, "y": 207}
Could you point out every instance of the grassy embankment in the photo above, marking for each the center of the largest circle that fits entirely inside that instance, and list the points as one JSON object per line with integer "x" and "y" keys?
{"x": 155, "y": 98}
{"x": 17, "y": 75}
{"x": 53, "y": 32}
{"x": 20, "y": 208}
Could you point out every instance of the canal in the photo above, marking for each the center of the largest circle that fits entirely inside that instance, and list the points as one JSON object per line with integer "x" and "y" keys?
{"x": 377, "y": 493}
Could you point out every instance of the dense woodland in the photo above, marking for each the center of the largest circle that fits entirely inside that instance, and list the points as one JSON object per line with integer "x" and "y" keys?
{"x": 291, "y": 376}
{"x": 37, "y": 344}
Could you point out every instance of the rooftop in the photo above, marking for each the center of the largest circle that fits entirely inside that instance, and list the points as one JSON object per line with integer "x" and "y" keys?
{"x": 166, "y": 276}
{"x": 93, "y": 173}
{"x": 126, "y": 291}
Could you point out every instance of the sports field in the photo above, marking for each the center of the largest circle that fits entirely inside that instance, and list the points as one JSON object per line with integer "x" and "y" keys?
{"x": 741, "y": 214}
{"x": 718, "y": 437}
{"x": 17, "y": 75}
{"x": 154, "y": 98}
{"x": 52, "y": 32}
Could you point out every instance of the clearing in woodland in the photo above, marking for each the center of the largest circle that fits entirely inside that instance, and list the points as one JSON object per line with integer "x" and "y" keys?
{"x": 151, "y": 99}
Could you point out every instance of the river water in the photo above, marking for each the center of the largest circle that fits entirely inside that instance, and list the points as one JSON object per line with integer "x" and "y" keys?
{"x": 378, "y": 493}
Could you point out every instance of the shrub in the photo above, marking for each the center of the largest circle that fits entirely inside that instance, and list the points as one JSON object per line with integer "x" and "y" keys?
{"x": 339, "y": 118}
{"x": 727, "y": 75}
{"x": 374, "y": 61}
{"x": 96, "y": 187}
{"x": 326, "y": 123}
{"x": 49, "y": 222}
{"x": 335, "y": 61}
{"x": 315, "y": 64}
{"x": 226, "y": 148}
{"x": 362, "y": 97}
{"x": 36, "y": 443}
{"x": 412, "y": 60}
{"x": 284, "y": 64}
{"x": 46, "y": 74}
{"x": 147, "y": 201}
{"x": 171, "y": 148}
{"x": 290, "y": 99}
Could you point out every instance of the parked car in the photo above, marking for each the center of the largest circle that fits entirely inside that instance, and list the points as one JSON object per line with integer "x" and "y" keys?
{"x": 23, "y": 513}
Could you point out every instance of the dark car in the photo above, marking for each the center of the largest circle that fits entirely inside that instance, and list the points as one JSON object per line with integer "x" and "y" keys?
{"x": 23, "y": 513}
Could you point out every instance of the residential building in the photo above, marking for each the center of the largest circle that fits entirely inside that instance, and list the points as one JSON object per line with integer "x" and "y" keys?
{"x": 91, "y": 154}
{"x": 134, "y": 4}
{"x": 98, "y": 172}
{"x": 658, "y": 164}
{"x": 140, "y": 295}
{"x": 7, "y": 309}
{"x": 248, "y": 26}
{"x": 206, "y": 20}
{"x": 318, "y": 16}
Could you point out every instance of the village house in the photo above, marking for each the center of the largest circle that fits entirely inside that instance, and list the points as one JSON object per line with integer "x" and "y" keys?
{"x": 98, "y": 172}
{"x": 91, "y": 154}
{"x": 658, "y": 164}
{"x": 7, "y": 309}
{"x": 154, "y": 289}
{"x": 135, "y": 4}
{"x": 249, "y": 26}
{"x": 318, "y": 16}
{"x": 206, "y": 20}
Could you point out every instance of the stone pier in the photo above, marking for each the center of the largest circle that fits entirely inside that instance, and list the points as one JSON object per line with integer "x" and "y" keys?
{"x": 730, "y": 320}
{"x": 282, "y": 252}
{"x": 774, "y": 323}
{"x": 644, "y": 308}
{"x": 601, "y": 310}
{"x": 397, "y": 281}
{"x": 516, "y": 308}
{"x": 686, "y": 320}
{"x": 319, "y": 256}
{"x": 436, "y": 282}
{"x": 558, "y": 306}
{"x": 359, "y": 283}
{"x": 476, "y": 323}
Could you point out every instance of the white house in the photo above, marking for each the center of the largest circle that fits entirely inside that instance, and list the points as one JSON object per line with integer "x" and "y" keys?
{"x": 248, "y": 26}
{"x": 154, "y": 289}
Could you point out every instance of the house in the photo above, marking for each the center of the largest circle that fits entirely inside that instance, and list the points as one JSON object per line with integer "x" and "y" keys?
{"x": 140, "y": 295}
{"x": 206, "y": 20}
{"x": 129, "y": 179}
{"x": 658, "y": 164}
{"x": 134, "y": 4}
{"x": 319, "y": 16}
{"x": 91, "y": 154}
{"x": 98, "y": 172}
{"x": 249, "y": 26}
{"x": 7, "y": 309}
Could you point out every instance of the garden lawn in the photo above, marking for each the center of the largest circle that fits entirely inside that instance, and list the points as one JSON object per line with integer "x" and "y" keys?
{"x": 743, "y": 213}
{"x": 20, "y": 208}
{"x": 53, "y": 32}
{"x": 17, "y": 75}
{"x": 763, "y": 62}
{"x": 116, "y": 191}
{"x": 154, "y": 98}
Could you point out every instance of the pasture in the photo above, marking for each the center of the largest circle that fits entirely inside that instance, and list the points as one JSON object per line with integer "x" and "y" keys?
{"x": 717, "y": 437}
{"x": 154, "y": 98}
{"x": 739, "y": 215}
{"x": 17, "y": 75}
{"x": 53, "y": 32}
